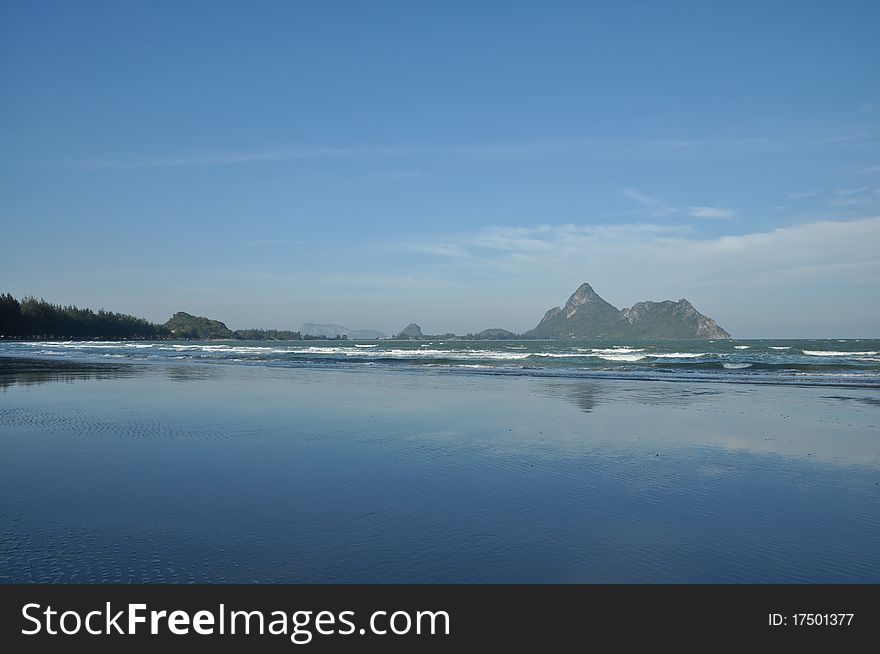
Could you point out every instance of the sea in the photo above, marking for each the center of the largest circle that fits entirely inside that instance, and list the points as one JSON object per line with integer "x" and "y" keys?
{"x": 824, "y": 362}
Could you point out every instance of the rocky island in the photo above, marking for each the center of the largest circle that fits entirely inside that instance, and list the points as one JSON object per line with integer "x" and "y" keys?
{"x": 587, "y": 315}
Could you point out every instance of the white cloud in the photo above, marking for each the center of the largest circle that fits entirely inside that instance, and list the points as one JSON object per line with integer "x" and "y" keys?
{"x": 853, "y": 191}
{"x": 634, "y": 244}
{"x": 801, "y": 196}
{"x": 711, "y": 212}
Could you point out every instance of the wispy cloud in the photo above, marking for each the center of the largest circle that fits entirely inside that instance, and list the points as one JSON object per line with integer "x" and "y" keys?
{"x": 653, "y": 206}
{"x": 697, "y": 149}
{"x": 547, "y": 241}
{"x": 222, "y": 158}
{"x": 627, "y": 250}
{"x": 375, "y": 282}
{"x": 733, "y": 147}
{"x": 657, "y": 208}
{"x": 701, "y": 148}
{"x": 711, "y": 212}
{"x": 801, "y": 196}
{"x": 864, "y": 196}
{"x": 712, "y": 143}
{"x": 859, "y": 141}
{"x": 853, "y": 202}
{"x": 497, "y": 151}
{"x": 439, "y": 248}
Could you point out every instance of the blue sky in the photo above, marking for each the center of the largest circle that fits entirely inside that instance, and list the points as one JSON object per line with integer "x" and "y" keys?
{"x": 462, "y": 165}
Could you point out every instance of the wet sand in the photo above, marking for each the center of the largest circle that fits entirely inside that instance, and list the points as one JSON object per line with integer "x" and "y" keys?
{"x": 232, "y": 473}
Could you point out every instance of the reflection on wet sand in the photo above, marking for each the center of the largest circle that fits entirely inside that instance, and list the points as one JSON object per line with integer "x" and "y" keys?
{"x": 188, "y": 373}
{"x": 806, "y": 423}
{"x": 16, "y": 371}
{"x": 871, "y": 401}
{"x": 588, "y": 395}
{"x": 30, "y": 372}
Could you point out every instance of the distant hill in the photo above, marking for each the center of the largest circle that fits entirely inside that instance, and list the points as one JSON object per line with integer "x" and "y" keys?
{"x": 412, "y": 330}
{"x": 327, "y": 330}
{"x": 185, "y": 325}
{"x": 268, "y": 335}
{"x": 587, "y": 315}
{"x": 494, "y": 335}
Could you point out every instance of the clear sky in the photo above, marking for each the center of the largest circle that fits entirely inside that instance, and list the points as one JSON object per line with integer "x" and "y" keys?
{"x": 462, "y": 165}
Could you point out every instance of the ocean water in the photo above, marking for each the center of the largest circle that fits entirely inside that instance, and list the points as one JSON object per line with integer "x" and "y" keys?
{"x": 830, "y": 361}
{"x": 219, "y": 462}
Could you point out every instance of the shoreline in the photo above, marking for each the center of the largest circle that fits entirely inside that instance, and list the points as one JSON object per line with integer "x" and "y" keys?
{"x": 525, "y": 372}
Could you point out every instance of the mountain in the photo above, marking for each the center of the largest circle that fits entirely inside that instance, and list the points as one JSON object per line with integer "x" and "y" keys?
{"x": 586, "y": 315}
{"x": 412, "y": 330}
{"x": 670, "y": 319}
{"x": 327, "y": 330}
{"x": 185, "y": 325}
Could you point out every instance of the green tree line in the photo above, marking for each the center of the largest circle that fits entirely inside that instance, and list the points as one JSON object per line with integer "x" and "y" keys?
{"x": 31, "y": 318}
